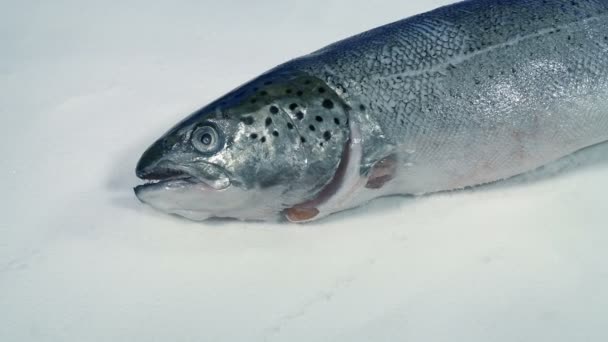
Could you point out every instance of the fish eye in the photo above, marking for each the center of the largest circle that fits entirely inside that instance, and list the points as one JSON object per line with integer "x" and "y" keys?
{"x": 207, "y": 139}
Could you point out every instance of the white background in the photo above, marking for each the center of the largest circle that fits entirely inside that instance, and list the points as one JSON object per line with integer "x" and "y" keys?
{"x": 84, "y": 88}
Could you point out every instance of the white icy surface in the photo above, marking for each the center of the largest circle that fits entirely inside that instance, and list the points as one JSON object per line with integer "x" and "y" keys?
{"x": 85, "y": 87}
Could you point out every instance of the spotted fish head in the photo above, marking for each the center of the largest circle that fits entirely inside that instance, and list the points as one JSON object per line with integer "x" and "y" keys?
{"x": 264, "y": 148}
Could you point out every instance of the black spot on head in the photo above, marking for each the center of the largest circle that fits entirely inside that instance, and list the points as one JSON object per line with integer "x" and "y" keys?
{"x": 289, "y": 125}
{"x": 328, "y": 104}
{"x": 248, "y": 120}
{"x": 253, "y": 136}
{"x": 337, "y": 121}
{"x": 362, "y": 108}
{"x": 318, "y": 118}
{"x": 293, "y": 106}
{"x": 321, "y": 90}
{"x": 263, "y": 139}
{"x": 300, "y": 93}
{"x": 312, "y": 128}
{"x": 302, "y": 139}
{"x": 327, "y": 135}
{"x": 274, "y": 109}
{"x": 300, "y": 115}
{"x": 321, "y": 144}
{"x": 275, "y": 133}
{"x": 268, "y": 121}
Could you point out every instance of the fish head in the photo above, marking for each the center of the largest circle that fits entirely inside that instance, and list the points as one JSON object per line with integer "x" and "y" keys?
{"x": 266, "y": 147}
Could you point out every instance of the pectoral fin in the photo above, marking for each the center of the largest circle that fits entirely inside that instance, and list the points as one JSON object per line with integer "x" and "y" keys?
{"x": 382, "y": 173}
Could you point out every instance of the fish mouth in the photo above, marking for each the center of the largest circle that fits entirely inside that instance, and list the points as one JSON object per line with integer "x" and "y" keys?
{"x": 163, "y": 174}
{"x": 168, "y": 174}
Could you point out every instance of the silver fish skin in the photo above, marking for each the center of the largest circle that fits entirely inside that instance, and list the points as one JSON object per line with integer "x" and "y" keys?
{"x": 467, "y": 94}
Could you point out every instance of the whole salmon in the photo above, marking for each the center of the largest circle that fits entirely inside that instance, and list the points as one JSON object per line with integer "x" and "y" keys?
{"x": 466, "y": 94}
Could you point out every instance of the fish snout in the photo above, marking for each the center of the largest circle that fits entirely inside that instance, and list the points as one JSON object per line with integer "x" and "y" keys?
{"x": 148, "y": 162}
{"x": 155, "y": 165}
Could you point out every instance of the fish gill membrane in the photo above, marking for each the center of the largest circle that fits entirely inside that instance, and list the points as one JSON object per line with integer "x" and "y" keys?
{"x": 465, "y": 95}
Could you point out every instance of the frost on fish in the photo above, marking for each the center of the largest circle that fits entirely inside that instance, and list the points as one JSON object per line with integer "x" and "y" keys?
{"x": 464, "y": 95}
